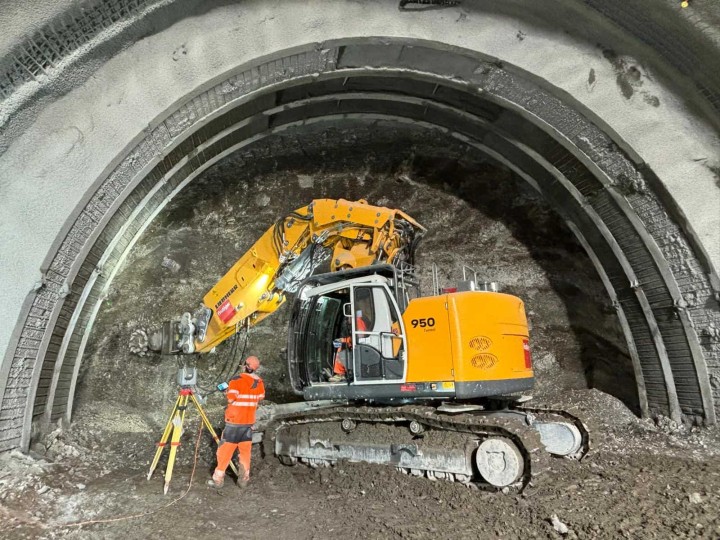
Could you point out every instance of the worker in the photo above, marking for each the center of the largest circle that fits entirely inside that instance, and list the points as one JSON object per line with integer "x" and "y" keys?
{"x": 343, "y": 345}
{"x": 243, "y": 393}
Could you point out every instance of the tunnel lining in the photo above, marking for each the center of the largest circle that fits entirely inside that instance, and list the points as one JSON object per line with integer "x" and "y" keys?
{"x": 646, "y": 309}
{"x": 156, "y": 144}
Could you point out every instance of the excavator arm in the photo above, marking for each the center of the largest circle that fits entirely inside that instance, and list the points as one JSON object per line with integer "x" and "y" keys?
{"x": 351, "y": 233}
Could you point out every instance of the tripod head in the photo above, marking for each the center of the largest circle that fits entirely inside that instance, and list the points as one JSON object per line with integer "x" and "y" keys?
{"x": 187, "y": 377}
{"x": 187, "y": 381}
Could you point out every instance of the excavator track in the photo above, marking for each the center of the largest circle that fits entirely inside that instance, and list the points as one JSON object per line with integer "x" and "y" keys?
{"x": 490, "y": 452}
{"x": 556, "y": 416}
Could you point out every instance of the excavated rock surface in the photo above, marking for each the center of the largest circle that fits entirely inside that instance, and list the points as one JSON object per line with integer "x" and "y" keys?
{"x": 477, "y": 214}
{"x": 641, "y": 479}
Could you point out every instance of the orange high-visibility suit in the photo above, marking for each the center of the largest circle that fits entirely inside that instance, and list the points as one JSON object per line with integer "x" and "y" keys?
{"x": 339, "y": 366}
{"x": 243, "y": 395}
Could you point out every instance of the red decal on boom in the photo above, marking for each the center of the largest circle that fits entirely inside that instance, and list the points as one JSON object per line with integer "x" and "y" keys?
{"x": 226, "y": 311}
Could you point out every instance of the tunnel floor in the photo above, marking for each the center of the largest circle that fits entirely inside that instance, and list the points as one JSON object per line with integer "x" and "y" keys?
{"x": 641, "y": 480}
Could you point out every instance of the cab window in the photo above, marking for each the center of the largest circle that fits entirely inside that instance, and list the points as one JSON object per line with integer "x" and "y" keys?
{"x": 378, "y": 345}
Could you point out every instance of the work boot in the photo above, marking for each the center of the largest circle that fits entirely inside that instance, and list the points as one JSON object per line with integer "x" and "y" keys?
{"x": 242, "y": 480}
{"x": 213, "y": 483}
{"x": 337, "y": 378}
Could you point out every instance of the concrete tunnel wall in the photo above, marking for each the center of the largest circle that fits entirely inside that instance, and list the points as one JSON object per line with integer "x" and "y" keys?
{"x": 609, "y": 109}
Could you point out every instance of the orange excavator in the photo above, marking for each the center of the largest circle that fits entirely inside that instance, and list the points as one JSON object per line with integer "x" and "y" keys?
{"x": 431, "y": 383}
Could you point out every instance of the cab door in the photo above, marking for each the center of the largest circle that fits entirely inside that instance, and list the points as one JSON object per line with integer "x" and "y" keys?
{"x": 378, "y": 337}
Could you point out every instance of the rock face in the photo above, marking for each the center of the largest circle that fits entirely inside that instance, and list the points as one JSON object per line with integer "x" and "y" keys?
{"x": 477, "y": 214}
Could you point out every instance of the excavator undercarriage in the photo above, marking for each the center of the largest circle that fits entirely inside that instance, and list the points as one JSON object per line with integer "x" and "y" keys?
{"x": 496, "y": 449}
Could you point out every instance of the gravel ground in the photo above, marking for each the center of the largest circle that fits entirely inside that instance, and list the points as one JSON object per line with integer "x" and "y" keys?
{"x": 641, "y": 480}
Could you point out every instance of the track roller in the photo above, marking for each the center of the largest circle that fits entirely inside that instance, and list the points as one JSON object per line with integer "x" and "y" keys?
{"x": 348, "y": 425}
{"x": 499, "y": 461}
{"x": 416, "y": 428}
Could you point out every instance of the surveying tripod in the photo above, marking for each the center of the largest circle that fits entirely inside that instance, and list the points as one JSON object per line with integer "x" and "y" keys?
{"x": 174, "y": 425}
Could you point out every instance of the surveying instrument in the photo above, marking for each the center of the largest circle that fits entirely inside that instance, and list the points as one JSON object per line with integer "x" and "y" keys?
{"x": 186, "y": 379}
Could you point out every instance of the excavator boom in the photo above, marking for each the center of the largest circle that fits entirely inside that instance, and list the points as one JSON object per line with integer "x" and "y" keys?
{"x": 351, "y": 233}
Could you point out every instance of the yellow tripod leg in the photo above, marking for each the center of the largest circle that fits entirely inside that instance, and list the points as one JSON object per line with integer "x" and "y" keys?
{"x": 164, "y": 438}
{"x": 209, "y": 427}
{"x": 177, "y": 424}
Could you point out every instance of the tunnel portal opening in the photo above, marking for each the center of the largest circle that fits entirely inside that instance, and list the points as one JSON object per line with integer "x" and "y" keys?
{"x": 381, "y": 94}
{"x": 478, "y": 212}
{"x": 566, "y": 151}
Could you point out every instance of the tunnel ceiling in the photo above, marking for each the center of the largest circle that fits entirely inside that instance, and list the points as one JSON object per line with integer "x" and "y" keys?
{"x": 654, "y": 265}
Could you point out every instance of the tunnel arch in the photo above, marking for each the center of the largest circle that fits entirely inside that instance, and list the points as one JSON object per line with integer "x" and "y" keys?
{"x": 654, "y": 267}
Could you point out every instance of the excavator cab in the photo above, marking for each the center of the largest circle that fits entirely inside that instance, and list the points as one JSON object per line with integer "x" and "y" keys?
{"x": 360, "y": 309}
{"x": 399, "y": 347}
{"x": 378, "y": 343}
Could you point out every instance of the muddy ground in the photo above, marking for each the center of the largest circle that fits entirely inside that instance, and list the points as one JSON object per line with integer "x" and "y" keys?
{"x": 641, "y": 480}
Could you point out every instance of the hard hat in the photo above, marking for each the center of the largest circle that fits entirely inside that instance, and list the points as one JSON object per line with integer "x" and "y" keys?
{"x": 252, "y": 362}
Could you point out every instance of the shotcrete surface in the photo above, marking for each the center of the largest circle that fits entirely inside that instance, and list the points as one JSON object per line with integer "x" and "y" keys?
{"x": 20, "y": 19}
{"x": 641, "y": 480}
{"x": 82, "y": 132}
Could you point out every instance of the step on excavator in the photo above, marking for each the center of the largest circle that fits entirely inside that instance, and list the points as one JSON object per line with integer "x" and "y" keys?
{"x": 429, "y": 384}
